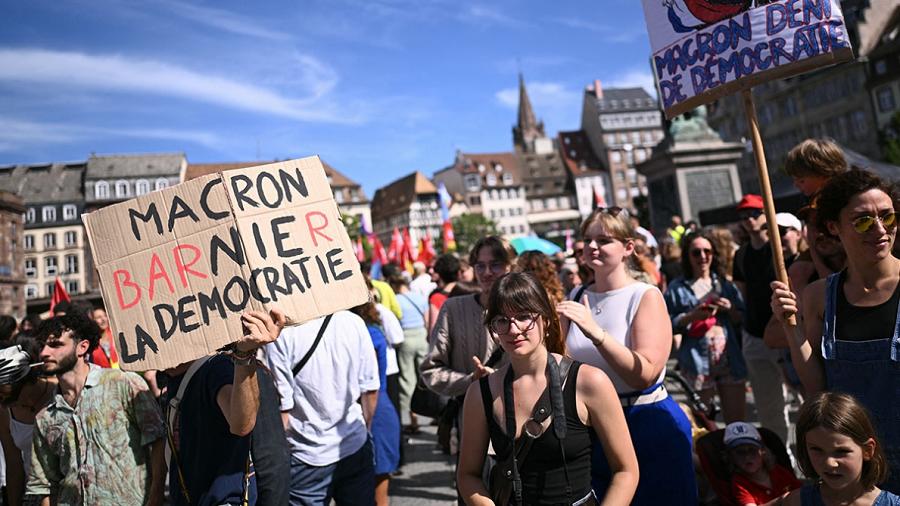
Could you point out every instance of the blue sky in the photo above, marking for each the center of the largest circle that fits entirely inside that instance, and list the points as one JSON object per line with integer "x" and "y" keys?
{"x": 378, "y": 88}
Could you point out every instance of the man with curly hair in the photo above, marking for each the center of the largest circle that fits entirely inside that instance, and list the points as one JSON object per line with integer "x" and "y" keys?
{"x": 101, "y": 439}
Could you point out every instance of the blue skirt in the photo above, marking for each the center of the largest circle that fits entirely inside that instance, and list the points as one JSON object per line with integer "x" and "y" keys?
{"x": 661, "y": 435}
{"x": 386, "y": 435}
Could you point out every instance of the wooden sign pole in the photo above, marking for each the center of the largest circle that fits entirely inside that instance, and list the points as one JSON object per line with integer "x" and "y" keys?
{"x": 759, "y": 153}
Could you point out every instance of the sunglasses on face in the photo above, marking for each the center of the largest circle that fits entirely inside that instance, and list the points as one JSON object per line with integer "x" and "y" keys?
{"x": 612, "y": 211}
{"x": 750, "y": 213}
{"x": 700, "y": 252}
{"x": 524, "y": 322}
{"x": 495, "y": 267}
{"x": 862, "y": 224}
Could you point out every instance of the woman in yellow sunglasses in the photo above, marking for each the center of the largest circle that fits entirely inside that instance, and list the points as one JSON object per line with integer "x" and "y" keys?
{"x": 848, "y": 339}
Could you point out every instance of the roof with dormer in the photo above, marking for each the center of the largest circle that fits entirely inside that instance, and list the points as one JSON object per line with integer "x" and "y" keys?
{"x": 137, "y": 165}
{"x": 45, "y": 183}
{"x": 578, "y": 154}
{"x": 398, "y": 196}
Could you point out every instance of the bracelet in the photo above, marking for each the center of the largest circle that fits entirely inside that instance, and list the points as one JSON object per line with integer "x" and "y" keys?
{"x": 243, "y": 358}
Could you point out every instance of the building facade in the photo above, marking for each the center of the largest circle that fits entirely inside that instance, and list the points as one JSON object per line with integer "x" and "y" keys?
{"x": 623, "y": 125}
{"x": 592, "y": 183}
{"x": 489, "y": 184}
{"x": 409, "y": 202}
{"x": 12, "y": 264}
{"x": 53, "y": 241}
{"x": 549, "y": 188}
{"x": 884, "y": 73}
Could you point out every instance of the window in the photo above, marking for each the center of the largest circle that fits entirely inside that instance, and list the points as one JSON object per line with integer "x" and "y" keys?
{"x": 49, "y": 289}
{"x": 551, "y": 203}
{"x": 880, "y": 67}
{"x": 71, "y": 264}
{"x": 121, "y": 188}
{"x": 885, "y": 99}
{"x": 860, "y": 126}
{"x": 640, "y": 155}
{"x": 498, "y": 167}
{"x": 101, "y": 190}
{"x": 503, "y": 194}
{"x": 70, "y": 212}
{"x": 491, "y": 180}
{"x": 48, "y": 214}
{"x": 31, "y": 291}
{"x": 30, "y": 268}
{"x": 616, "y": 157}
{"x": 71, "y": 238}
{"x": 29, "y": 241}
{"x": 161, "y": 183}
{"x": 51, "y": 267}
{"x": 472, "y": 182}
{"x": 141, "y": 187}
{"x": 49, "y": 240}
{"x": 339, "y": 196}
{"x": 72, "y": 286}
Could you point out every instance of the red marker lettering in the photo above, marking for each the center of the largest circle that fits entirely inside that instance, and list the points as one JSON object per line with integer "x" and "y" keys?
{"x": 128, "y": 283}
{"x": 313, "y": 230}
{"x": 157, "y": 270}
{"x": 184, "y": 268}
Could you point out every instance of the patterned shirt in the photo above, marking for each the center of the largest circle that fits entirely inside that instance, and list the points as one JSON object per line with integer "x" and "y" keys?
{"x": 97, "y": 452}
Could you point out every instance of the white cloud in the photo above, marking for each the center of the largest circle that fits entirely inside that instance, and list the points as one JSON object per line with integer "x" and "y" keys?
{"x": 223, "y": 20}
{"x": 633, "y": 78}
{"x": 489, "y": 15}
{"x": 19, "y": 134}
{"x": 543, "y": 95}
{"x": 149, "y": 77}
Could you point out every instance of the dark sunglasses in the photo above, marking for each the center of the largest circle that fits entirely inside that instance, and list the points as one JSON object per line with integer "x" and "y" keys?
{"x": 699, "y": 252}
{"x": 862, "y": 224}
{"x": 750, "y": 213}
{"x": 612, "y": 211}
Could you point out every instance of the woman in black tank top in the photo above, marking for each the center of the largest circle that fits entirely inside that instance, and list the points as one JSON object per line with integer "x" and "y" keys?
{"x": 553, "y": 403}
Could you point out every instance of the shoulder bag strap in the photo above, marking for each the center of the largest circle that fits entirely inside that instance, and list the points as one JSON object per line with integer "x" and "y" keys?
{"x": 579, "y": 293}
{"x": 413, "y": 304}
{"x": 172, "y": 419}
{"x": 305, "y": 359}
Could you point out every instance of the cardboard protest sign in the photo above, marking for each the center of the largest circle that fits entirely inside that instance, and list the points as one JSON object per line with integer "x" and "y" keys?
{"x": 179, "y": 265}
{"x": 705, "y": 49}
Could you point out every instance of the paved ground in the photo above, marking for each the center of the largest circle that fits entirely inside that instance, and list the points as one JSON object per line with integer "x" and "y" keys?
{"x": 427, "y": 477}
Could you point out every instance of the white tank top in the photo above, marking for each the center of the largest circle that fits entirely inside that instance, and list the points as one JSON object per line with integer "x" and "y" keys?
{"x": 21, "y": 435}
{"x": 613, "y": 311}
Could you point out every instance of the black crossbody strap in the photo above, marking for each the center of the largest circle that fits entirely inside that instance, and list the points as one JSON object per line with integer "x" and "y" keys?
{"x": 495, "y": 357}
{"x": 315, "y": 345}
{"x": 579, "y": 293}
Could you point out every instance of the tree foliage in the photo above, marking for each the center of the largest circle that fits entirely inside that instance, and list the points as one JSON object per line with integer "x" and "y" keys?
{"x": 468, "y": 228}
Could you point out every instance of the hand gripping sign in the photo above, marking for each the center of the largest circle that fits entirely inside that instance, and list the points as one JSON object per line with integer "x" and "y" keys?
{"x": 178, "y": 266}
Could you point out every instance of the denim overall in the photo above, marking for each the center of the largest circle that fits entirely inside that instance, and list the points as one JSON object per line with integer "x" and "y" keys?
{"x": 870, "y": 371}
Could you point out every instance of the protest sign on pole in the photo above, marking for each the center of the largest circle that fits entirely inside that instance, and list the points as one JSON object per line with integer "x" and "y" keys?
{"x": 705, "y": 49}
{"x": 178, "y": 266}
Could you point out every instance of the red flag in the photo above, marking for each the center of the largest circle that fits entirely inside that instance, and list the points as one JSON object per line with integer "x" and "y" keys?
{"x": 378, "y": 253}
{"x": 598, "y": 198}
{"x": 360, "y": 251}
{"x": 396, "y": 247}
{"x": 59, "y": 294}
{"x": 426, "y": 250}
{"x": 407, "y": 254}
{"x": 449, "y": 238}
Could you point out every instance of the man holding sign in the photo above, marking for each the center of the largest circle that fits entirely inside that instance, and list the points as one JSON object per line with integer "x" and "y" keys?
{"x": 213, "y": 405}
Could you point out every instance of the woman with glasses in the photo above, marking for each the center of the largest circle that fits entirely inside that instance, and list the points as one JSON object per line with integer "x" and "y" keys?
{"x": 552, "y": 470}
{"x": 848, "y": 339}
{"x": 622, "y": 327}
{"x": 705, "y": 309}
{"x": 23, "y": 392}
{"x": 460, "y": 348}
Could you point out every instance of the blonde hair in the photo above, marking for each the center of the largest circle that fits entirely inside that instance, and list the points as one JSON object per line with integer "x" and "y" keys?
{"x": 616, "y": 225}
{"x": 815, "y": 157}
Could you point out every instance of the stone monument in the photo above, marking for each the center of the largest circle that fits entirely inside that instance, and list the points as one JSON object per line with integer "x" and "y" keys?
{"x": 690, "y": 170}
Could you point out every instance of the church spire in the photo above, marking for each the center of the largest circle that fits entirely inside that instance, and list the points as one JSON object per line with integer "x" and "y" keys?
{"x": 527, "y": 127}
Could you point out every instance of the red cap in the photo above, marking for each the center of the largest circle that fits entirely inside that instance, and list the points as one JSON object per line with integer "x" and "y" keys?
{"x": 750, "y": 201}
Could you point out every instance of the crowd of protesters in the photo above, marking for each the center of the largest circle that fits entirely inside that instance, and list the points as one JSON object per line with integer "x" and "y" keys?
{"x": 549, "y": 373}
